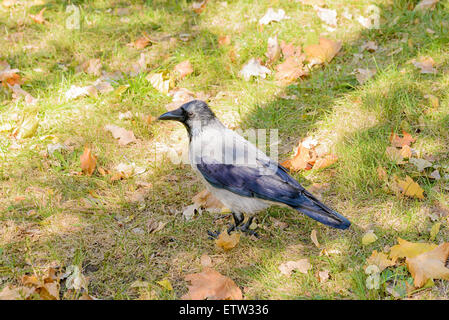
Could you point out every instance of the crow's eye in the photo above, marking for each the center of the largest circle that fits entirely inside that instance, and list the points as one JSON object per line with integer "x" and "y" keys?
{"x": 190, "y": 114}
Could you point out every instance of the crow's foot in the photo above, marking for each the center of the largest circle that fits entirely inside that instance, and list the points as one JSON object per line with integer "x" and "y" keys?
{"x": 213, "y": 234}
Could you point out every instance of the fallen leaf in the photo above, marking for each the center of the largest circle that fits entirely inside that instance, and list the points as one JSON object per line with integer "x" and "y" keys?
{"x": 429, "y": 265}
{"x": 211, "y": 285}
{"x": 39, "y": 18}
{"x": 224, "y": 40}
{"x": 369, "y": 237}
{"x": 323, "y": 52}
{"x": 165, "y": 284}
{"x": 254, "y": 68}
{"x": 426, "y": 4}
{"x": 363, "y": 75}
{"x": 199, "y": 7}
{"x": 226, "y": 241}
{"x": 291, "y": 69}
{"x": 325, "y": 161}
{"x": 420, "y": 164}
{"x": 184, "y": 68}
{"x": 91, "y": 66}
{"x": 425, "y": 64}
{"x": 323, "y": 276}
{"x": 272, "y": 15}
{"x": 410, "y": 188}
{"x": 88, "y": 161}
{"x": 302, "y": 266}
{"x": 76, "y": 92}
{"x": 75, "y": 279}
{"x": 398, "y": 142}
{"x": 380, "y": 260}
{"x": 19, "y": 293}
{"x": 314, "y": 238}
{"x": 434, "y": 231}
{"x": 328, "y": 16}
{"x": 141, "y": 42}
{"x": 273, "y": 50}
{"x": 406, "y": 249}
{"x": 28, "y": 127}
{"x": 124, "y": 136}
{"x": 160, "y": 83}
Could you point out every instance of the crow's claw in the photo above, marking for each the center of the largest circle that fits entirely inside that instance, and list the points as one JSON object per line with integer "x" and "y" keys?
{"x": 248, "y": 231}
{"x": 213, "y": 235}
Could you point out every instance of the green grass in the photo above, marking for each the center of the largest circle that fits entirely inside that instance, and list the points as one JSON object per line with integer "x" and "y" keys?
{"x": 79, "y": 219}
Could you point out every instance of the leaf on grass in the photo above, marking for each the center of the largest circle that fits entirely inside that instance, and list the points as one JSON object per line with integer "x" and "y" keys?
{"x": 76, "y": 92}
{"x": 304, "y": 158}
{"x": 410, "y": 188}
{"x": 429, "y": 265}
{"x": 323, "y": 276}
{"x": 226, "y": 241}
{"x": 199, "y": 7}
{"x": 328, "y": 16}
{"x": 426, "y": 4}
{"x": 314, "y": 238}
{"x": 288, "y": 267}
{"x": 325, "y": 161}
{"x": 292, "y": 68}
{"x": 224, "y": 40}
{"x": 184, "y": 68}
{"x": 27, "y": 128}
{"x": 369, "y": 237}
{"x": 91, "y": 66}
{"x": 211, "y": 285}
{"x": 434, "y": 231}
{"x": 88, "y": 161}
{"x": 425, "y": 64}
{"x": 397, "y": 155}
{"x": 380, "y": 260}
{"x": 272, "y": 15}
{"x": 399, "y": 142}
{"x": 323, "y": 52}
{"x": 75, "y": 279}
{"x": 420, "y": 164}
{"x": 254, "y": 68}
{"x": 141, "y": 42}
{"x": 39, "y": 18}
{"x": 124, "y": 136}
{"x": 19, "y": 92}
{"x": 15, "y": 293}
{"x": 363, "y": 75}
{"x": 273, "y": 50}
{"x": 406, "y": 249}
{"x": 206, "y": 261}
{"x": 165, "y": 284}
{"x": 160, "y": 83}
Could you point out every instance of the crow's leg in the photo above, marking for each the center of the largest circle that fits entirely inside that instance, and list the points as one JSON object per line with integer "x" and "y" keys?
{"x": 245, "y": 228}
{"x": 238, "y": 219}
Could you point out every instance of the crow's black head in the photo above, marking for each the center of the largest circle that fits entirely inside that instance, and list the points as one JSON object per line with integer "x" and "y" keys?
{"x": 192, "y": 114}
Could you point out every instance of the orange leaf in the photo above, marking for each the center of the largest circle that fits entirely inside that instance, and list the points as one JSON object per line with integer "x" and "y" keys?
{"x": 304, "y": 159}
{"x": 211, "y": 285}
{"x": 325, "y": 162}
{"x": 429, "y": 265}
{"x": 398, "y": 142}
{"x": 88, "y": 161}
{"x": 184, "y": 68}
{"x": 323, "y": 52}
{"x": 39, "y": 18}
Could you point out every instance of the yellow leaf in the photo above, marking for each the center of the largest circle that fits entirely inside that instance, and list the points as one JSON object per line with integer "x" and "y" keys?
{"x": 28, "y": 127}
{"x": 226, "y": 241}
{"x": 165, "y": 284}
{"x": 380, "y": 260}
{"x": 406, "y": 249}
{"x": 429, "y": 265}
{"x": 434, "y": 231}
{"x": 369, "y": 237}
{"x": 410, "y": 188}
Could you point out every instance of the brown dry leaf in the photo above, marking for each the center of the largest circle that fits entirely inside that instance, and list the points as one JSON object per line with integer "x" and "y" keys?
{"x": 304, "y": 159}
{"x": 184, "y": 68}
{"x": 88, "y": 161}
{"x": 426, "y": 4}
{"x": 410, "y": 188}
{"x": 380, "y": 260}
{"x": 323, "y": 276}
{"x": 39, "y": 18}
{"x": 302, "y": 266}
{"x": 398, "y": 142}
{"x": 325, "y": 161}
{"x": 141, "y": 42}
{"x": 124, "y": 136}
{"x": 273, "y": 50}
{"x": 226, "y": 241}
{"x": 425, "y": 64}
{"x": 323, "y": 52}
{"x": 314, "y": 238}
{"x": 406, "y": 249}
{"x": 224, "y": 40}
{"x": 19, "y": 293}
{"x": 291, "y": 69}
{"x": 199, "y": 7}
{"x": 92, "y": 66}
{"x": 208, "y": 201}
{"x": 289, "y": 49}
{"x": 211, "y": 285}
{"x": 429, "y": 265}
{"x": 395, "y": 155}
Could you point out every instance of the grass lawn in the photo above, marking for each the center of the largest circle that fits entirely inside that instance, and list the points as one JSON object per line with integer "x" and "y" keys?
{"x": 51, "y": 216}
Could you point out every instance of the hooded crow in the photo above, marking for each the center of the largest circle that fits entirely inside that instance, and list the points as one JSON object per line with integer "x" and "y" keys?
{"x": 241, "y": 176}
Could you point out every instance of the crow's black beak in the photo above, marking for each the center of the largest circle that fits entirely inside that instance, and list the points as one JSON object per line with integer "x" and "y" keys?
{"x": 177, "y": 115}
